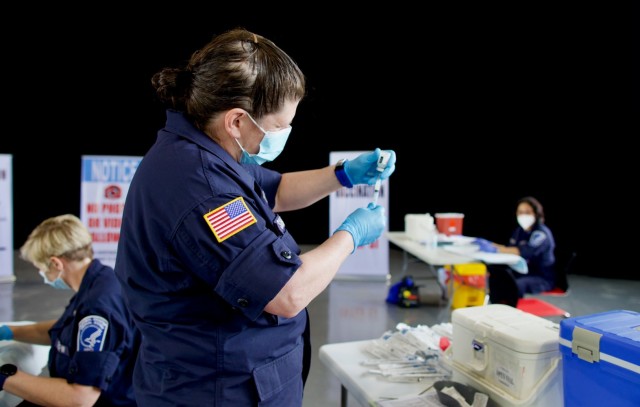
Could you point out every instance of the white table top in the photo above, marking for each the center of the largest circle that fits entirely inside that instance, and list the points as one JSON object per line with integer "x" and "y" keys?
{"x": 448, "y": 255}
{"x": 344, "y": 360}
{"x": 436, "y": 257}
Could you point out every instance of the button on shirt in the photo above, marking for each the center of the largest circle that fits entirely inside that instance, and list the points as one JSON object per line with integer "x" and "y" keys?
{"x": 201, "y": 253}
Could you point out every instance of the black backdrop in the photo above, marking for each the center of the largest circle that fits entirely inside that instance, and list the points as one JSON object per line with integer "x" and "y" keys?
{"x": 482, "y": 106}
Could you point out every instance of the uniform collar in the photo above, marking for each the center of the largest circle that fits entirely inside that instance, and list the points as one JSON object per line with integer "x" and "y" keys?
{"x": 177, "y": 123}
{"x": 91, "y": 273}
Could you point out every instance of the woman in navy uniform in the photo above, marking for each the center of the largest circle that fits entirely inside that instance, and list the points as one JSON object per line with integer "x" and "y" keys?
{"x": 94, "y": 343}
{"x": 215, "y": 282}
{"x": 534, "y": 242}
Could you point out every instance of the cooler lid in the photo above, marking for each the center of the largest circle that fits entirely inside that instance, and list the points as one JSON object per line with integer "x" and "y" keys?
{"x": 614, "y": 333}
{"x": 510, "y": 327}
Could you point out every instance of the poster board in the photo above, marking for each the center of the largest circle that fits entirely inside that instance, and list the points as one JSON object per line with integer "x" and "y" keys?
{"x": 105, "y": 182}
{"x": 6, "y": 218}
{"x": 369, "y": 262}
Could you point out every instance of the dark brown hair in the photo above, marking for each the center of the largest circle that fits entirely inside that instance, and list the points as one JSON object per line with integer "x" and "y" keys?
{"x": 237, "y": 69}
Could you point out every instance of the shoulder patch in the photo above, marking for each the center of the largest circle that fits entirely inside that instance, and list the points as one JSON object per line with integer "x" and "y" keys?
{"x": 92, "y": 331}
{"x": 229, "y": 219}
{"x": 537, "y": 238}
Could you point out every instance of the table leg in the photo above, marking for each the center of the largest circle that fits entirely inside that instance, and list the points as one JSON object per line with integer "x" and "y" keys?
{"x": 343, "y": 396}
{"x": 405, "y": 262}
{"x": 407, "y": 257}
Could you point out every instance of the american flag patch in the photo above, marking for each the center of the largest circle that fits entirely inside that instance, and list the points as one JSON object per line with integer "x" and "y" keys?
{"x": 230, "y": 218}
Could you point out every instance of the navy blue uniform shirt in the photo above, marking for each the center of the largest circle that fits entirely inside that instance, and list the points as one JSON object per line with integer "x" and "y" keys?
{"x": 537, "y": 248}
{"x": 94, "y": 343}
{"x": 200, "y": 255}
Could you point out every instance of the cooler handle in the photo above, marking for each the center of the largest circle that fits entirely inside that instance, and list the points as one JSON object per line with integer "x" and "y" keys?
{"x": 480, "y": 355}
{"x": 586, "y": 344}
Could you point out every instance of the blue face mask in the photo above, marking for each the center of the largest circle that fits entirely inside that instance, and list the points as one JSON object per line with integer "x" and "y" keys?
{"x": 270, "y": 147}
{"x": 58, "y": 283}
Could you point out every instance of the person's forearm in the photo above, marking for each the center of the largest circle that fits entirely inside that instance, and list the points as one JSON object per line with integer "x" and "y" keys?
{"x": 508, "y": 249}
{"x": 319, "y": 267}
{"x": 37, "y": 333}
{"x": 300, "y": 189}
{"x": 49, "y": 391}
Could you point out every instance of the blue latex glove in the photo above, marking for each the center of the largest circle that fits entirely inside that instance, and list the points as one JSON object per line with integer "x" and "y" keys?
{"x": 365, "y": 225}
{"x": 5, "y": 333}
{"x": 485, "y": 245}
{"x": 363, "y": 168}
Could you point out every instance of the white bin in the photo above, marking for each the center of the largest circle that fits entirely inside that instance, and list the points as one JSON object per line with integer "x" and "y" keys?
{"x": 511, "y": 355}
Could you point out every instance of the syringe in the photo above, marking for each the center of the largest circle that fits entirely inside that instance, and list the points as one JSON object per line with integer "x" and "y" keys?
{"x": 383, "y": 160}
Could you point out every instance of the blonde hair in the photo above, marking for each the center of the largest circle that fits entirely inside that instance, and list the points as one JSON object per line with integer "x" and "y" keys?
{"x": 62, "y": 236}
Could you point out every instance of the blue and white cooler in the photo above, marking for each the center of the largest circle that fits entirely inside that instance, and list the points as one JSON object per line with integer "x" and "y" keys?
{"x": 601, "y": 359}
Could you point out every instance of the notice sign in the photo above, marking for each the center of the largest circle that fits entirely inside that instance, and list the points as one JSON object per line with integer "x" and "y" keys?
{"x": 104, "y": 185}
{"x": 6, "y": 219}
{"x": 370, "y": 261}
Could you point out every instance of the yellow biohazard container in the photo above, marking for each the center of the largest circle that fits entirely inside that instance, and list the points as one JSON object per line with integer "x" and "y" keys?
{"x": 469, "y": 285}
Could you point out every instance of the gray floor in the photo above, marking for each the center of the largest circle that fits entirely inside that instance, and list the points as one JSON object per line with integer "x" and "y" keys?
{"x": 346, "y": 311}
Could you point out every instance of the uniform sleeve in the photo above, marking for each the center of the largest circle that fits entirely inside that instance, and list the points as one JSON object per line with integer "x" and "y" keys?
{"x": 536, "y": 246}
{"x": 226, "y": 243}
{"x": 103, "y": 336}
{"x": 99, "y": 343}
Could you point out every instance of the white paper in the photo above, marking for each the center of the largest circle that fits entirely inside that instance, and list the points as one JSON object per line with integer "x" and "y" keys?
{"x": 428, "y": 399}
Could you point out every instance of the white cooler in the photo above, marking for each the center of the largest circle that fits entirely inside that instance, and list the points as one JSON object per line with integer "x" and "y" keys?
{"x": 512, "y": 356}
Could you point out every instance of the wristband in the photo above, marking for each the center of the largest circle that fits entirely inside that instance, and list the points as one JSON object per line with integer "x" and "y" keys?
{"x": 342, "y": 175}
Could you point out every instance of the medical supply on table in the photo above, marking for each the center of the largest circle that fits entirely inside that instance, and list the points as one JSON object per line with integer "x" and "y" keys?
{"x": 421, "y": 228}
{"x": 457, "y": 394}
{"x": 383, "y": 160}
{"x": 449, "y": 223}
{"x": 409, "y": 354}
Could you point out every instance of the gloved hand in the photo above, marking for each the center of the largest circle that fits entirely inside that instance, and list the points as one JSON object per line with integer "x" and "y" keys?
{"x": 485, "y": 245}
{"x": 363, "y": 168}
{"x": 5, "y": 333}
{"x": 365, "y": 225}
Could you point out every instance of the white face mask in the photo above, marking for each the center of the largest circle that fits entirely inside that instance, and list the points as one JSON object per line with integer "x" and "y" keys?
{"x": 526, "y": 221}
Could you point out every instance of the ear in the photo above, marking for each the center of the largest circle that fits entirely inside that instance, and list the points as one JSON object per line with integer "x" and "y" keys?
{"x": 57, "y": 262}
{"x": 233, "y": 122}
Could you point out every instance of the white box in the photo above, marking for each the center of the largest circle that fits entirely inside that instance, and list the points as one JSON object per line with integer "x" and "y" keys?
{"x": 511, "y": 355}
{"x": 420, "y": 227}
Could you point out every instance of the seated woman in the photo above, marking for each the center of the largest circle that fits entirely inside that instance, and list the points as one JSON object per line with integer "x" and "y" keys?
{"x": 94, "y": 344}
{"x": 533, "y": 241}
